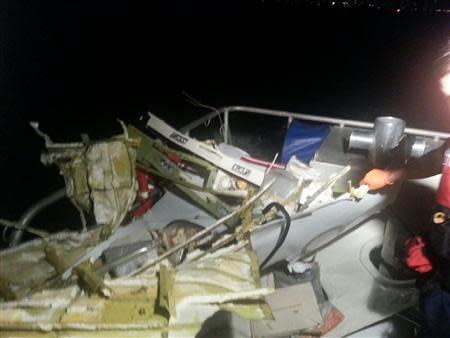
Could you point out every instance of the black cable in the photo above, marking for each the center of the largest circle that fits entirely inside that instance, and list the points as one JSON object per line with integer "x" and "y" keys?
{"x": 284, "y": 230}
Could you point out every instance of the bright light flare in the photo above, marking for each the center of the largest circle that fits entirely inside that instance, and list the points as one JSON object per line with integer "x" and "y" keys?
{"x": 445, "y": 84}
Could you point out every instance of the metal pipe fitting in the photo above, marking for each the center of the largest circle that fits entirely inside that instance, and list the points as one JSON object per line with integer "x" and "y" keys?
{"x": 418, "y": 148}
{"x": 387, "y": 133}
{"x": 361, "y": 140}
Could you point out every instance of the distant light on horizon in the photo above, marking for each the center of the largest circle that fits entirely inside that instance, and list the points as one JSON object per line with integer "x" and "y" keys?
{"x": 406, "y": 6}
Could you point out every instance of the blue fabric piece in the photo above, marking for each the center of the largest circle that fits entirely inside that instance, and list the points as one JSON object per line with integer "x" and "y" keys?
{"x": 303, "y": 140}
{"x": 436, "y": 310}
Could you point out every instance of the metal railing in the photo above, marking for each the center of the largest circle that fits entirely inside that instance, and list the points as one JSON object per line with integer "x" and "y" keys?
{"x": 225, "y": 111}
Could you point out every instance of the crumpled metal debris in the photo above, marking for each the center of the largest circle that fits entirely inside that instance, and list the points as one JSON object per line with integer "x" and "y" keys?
{"x": 227, "y": 279}
{"x": 54, "y": 258}
{"x": 175, "y": 292}
{"x": 197, "y": 185}
{"x": 176, "y": 233}
{"x": 203, "y": 150}
{"x": 224, "y": 280}
{"x": 33, "y": 266}
{"x": 99, "y": 175}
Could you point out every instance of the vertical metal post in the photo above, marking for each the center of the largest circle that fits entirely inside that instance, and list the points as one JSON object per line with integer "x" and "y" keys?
{"x": 289, "y": 122}
{"x": 226, "y": 136}
{"x": 393, "y": 238}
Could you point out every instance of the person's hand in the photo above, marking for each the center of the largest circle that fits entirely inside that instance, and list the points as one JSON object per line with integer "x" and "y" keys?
{"x": 376, "y": 179}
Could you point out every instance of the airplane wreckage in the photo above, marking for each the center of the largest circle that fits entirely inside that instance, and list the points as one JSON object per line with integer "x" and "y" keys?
{"x": 183, "y": 238}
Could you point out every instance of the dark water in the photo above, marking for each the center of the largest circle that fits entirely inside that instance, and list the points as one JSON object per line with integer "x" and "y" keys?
{"x": 77, "y": 67}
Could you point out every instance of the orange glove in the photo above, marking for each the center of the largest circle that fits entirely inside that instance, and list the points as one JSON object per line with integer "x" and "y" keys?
{"x": 377, "y": 179}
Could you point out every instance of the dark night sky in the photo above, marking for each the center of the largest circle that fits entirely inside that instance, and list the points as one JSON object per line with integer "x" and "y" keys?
{"x": 77, "y": 66}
